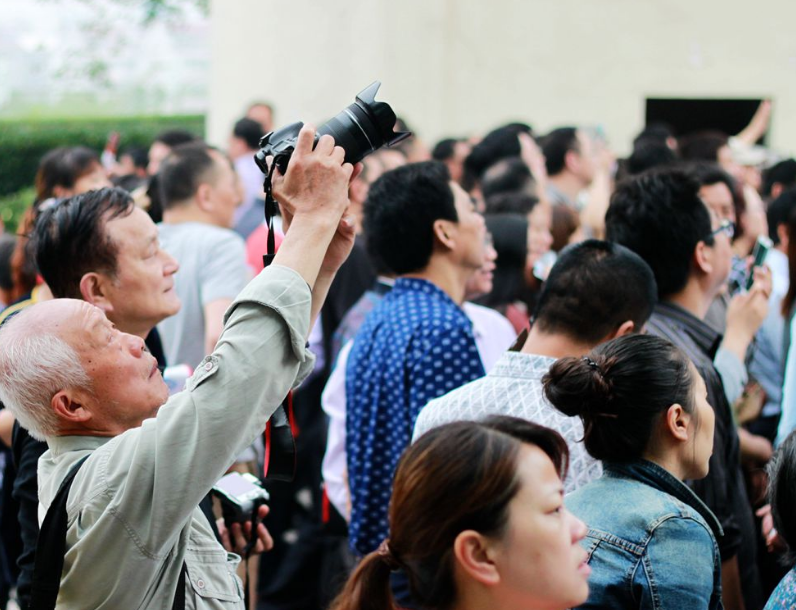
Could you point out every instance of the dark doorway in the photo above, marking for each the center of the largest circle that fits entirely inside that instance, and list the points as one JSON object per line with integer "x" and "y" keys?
{"x": 689, "y": 115}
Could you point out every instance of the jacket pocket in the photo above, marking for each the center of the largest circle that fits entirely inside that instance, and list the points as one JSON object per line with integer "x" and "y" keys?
{"x": 212, "y": 576}
{"x": 590, "y": 545}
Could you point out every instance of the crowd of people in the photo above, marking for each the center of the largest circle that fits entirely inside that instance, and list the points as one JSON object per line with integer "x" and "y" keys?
{"x": 509, "y": 370}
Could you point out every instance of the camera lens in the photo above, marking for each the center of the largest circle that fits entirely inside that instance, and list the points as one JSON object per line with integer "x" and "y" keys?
{"x": 364, "y": 126}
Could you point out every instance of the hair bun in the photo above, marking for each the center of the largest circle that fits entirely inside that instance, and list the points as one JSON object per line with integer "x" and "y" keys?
{"x": 579, "y": 386}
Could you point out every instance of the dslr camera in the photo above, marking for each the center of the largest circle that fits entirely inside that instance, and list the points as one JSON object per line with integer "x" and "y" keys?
{"x": 360, "y": 129}
{"x": 240, "y": 495}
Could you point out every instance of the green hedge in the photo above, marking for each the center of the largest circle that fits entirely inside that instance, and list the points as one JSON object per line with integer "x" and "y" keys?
{"x": 23, "y": 143}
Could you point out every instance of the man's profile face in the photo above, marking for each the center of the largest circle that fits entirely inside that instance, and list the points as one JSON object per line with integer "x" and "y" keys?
{"x": 471, "y": 229}
{"x": 141, "y": 292}
{"x": 126, "y": 384}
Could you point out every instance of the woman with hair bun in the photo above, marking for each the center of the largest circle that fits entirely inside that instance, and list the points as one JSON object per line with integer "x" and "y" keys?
{"x": 477, "y": 521}
{"x": 651, "y": 540}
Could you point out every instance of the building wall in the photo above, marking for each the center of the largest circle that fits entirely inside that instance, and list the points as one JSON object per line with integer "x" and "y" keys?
{"x": 457, "y": 67}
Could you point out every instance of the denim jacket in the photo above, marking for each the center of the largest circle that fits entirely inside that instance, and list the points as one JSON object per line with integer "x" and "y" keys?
{"x": 651, "y": 541}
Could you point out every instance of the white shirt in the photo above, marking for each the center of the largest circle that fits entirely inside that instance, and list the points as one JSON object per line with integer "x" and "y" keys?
{"x": 514, "y": 387}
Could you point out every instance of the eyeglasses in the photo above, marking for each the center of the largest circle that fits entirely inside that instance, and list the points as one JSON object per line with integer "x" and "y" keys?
{"x": 727, "y": 227}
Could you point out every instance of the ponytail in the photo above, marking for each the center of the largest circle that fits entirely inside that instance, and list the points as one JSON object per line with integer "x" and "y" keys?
{"x": 368, "y": 587}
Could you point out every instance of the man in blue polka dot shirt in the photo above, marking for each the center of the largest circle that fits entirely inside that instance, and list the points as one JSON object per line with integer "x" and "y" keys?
{"x": 417, "y": 344}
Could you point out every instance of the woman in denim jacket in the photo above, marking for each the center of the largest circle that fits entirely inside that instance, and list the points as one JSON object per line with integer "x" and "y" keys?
{"x": 651, "y": 540}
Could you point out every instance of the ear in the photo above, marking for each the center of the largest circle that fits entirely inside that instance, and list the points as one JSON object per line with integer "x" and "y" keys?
{"x": 69, "y": 406}
{"x": 93, "y": 288}
{"x": 783, "y": 235}
{"x": 204, "y": 197}
{"x": 676, "y": 421}
{"x": 572, "y": 160}
{"x": 703, "y": 257}
{"x": 625, "y": 328}
{"x": 776, "y": 190}
{"x": 475, "y": 557}
{"x": 443, "y": 230}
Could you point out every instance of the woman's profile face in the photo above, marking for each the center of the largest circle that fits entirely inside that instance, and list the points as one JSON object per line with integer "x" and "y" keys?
{"x": 702, "y": 425}
{"x": 540, "y": 560}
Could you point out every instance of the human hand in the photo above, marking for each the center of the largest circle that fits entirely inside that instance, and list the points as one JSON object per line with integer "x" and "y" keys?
{"x": 315, "y": 185}
{"x": 774, "y": 542}
{"x": 747, "y": 311}
{"x": 235, "y": 539}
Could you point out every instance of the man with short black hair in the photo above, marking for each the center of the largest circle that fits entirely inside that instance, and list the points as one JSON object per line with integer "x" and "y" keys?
{"x": 200, "y": 194}
{"x": 595, "y": 292}
{"x": 660, "y": 216}
{"x": 417, "y": 343}
{"x": 570, "y": 164}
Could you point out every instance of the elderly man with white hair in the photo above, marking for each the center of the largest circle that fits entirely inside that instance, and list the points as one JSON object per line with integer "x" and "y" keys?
{"x": 134, "y": 533}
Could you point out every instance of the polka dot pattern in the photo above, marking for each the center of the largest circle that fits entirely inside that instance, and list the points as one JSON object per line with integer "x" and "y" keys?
{"x": 416, "y": 345}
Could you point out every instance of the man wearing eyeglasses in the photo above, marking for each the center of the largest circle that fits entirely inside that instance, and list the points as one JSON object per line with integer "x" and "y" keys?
{"x": 662, "y": 218}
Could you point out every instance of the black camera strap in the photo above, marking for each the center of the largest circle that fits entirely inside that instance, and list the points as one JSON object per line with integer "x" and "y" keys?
{"x": 51, "y": 547}
{"x": 270, "y": 212}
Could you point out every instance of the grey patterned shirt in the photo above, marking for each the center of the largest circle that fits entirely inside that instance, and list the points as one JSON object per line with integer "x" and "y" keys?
{"x": 514, "y": 387}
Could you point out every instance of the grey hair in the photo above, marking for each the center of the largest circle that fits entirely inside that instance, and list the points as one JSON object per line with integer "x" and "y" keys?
{"x": 33, "y": 369}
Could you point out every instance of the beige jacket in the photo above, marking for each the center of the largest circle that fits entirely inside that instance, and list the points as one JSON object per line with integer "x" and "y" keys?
{"x": 133, "y": 515}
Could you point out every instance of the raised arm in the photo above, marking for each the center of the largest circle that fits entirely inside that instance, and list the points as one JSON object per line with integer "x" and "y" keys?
{"x": 174, "y": 459}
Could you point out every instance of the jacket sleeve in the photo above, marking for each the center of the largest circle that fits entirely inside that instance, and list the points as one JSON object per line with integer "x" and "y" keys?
{"x": 158, "y": 473}
{"x": 680, "y": 568}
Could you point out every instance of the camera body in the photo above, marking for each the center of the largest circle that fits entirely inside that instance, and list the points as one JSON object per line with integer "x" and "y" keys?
{"x": 360, "y": 129}
{"x": 240, "y": 495}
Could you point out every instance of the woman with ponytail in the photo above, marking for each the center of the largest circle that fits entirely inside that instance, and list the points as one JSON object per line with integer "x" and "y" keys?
{"x": 477, "y": 521}
{"x": 651, "y": 540}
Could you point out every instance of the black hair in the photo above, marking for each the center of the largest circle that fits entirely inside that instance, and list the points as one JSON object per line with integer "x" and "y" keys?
{"x": 783, "y": 173}
{"x": 660, "y": 216}
{"x": 779, "y": 212}
{"x": 656, "y": 131}
{"x": 782, "y": 494}
{"x": 175, "y": 137}
{"x": 510, "y": 239}
{"x": 507, "y": 176}
{"x": 69, "y": 239}
{"x": 138, "y": 155}
{"x": 620, "y": 390}
{"x": 709, "y": 173}
{"x": 400, "y": 211}
{"x": 444, "y": 149}
{"x": 183, "y": 171}
{"x": 62, "y": 167}
{"x": 518, "y": 202}
{"x": 498, "y": 144}
{"x": 593, "y": 288}
{"x": 702, "y": 145}
{"x": 250, "y": 131}
{"x": 649, "y": 153}
{"x": 7, "y": 245}
{"x": 556, "y": 145}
